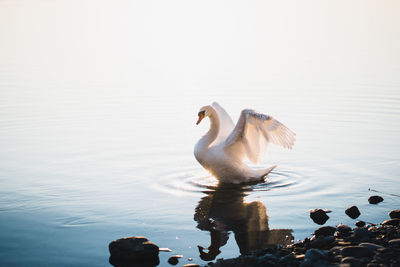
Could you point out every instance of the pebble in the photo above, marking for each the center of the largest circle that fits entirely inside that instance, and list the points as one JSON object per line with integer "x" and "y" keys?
{"x": 319, "y": 216}
{"x": 356, "y": 251}
{"x": 173, "y": 260}
{"x": 353, "y": 212}
{"x": 360, "y": 223}
{"x": 343, "y": 228}
{"x": 375, "y": 199}
{"x": 325, "y": 230}
{"x": 394, "y": 214}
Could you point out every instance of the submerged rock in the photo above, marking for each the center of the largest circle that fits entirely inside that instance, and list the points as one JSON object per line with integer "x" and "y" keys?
{"x": 319, "y": 216}
{"x": 394, "y": 214}
{"x": 133, "y": 250}
{"x": 353, "y": 212}
{"x": 375, "y": 199}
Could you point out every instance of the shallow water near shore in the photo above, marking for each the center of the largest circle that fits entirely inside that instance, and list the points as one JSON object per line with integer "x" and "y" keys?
{"x": 101, "y": 147}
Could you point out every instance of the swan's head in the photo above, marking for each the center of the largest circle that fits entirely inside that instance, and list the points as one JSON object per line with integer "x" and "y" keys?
{"x": 204, "y": 112}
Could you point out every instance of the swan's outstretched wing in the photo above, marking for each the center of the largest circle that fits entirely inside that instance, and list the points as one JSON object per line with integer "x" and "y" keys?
{"x": 253, "y": 132}
{"x": 225, "y": 123}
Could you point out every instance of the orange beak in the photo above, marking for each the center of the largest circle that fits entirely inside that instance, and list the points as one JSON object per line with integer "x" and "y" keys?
{"x": 201, "y": 116}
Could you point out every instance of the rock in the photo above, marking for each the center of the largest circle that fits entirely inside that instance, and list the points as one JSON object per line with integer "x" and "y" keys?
{"x": 343, "y": 228}
{"x": 357, "y": 251}
{"x": 361, "y": 232}
{"x": 370, "y": 245}
{"x": 393, "y": 222}
{"x": 375, "y": 199}
{"x": 354, "y": 262}
{"x": 314, "y": 254}
{"x": 325, "y": 230}
{"x": 360, "y": 223}
{"x": 353, "y": 212}
{"x": 191, "y": 265}
{"x": 174, "y": 259}
{"x": 133, "y": 249}
{"x": 394, "y": 243}
{"x": 394, "y": 214}
{"x": 319, "y": 216}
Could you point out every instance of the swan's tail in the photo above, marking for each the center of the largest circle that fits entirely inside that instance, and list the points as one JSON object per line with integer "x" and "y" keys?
{"x": 265, "y": 172}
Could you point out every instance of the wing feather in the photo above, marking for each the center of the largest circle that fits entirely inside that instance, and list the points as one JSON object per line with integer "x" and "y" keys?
{"x": 252, "y": 134}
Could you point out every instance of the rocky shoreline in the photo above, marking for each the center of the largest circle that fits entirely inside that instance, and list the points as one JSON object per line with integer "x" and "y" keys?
{"x": 369, "y": 245}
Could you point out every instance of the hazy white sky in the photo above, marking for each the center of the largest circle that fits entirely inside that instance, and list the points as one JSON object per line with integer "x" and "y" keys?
{"x": 200, "y": 45}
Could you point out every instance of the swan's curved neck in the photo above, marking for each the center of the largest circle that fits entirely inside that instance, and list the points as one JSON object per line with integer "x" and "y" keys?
{"x": 212, "y": 133}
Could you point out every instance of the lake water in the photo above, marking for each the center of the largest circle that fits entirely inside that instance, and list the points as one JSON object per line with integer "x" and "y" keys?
{"x": 98, "y": 104}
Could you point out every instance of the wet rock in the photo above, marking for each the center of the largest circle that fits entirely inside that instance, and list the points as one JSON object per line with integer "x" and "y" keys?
{"x": 375, "y": 199}
{"x": 354, "y": 262}
{"x": 393, "y": 222}
{"x": 360, "y": 223}
{"x": 325, "y": 231}
{"x": 319, "y": 216}
{"x": 361, "y": 233}
{"x": 133, "y": 249}
{"x": 173, "y": 260}
{"x": 357, "y": 251}
{"x": 191, "y": 265}
{"x": 394, "y": 214}
{"x": 315, "y": 254}
{"x": 353, "y": 212}
{"x": 343, "y": 228}
{"x": 370, "y": 245}
{"x": 394, "y": 243}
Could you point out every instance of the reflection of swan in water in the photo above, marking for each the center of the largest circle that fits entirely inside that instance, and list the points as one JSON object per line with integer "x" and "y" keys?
{"x": 224, "y": 210}
{"x": 222, "y": 149}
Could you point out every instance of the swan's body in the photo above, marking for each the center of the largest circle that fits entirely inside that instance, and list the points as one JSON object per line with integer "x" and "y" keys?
{"x": 224, "y": 147}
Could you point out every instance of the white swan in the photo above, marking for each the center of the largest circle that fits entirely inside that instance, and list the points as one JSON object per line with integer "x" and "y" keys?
{"x": 223, "y": 148}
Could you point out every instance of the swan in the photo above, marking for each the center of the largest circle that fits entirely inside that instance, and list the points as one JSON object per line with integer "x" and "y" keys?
{"x": 223, "y": 148}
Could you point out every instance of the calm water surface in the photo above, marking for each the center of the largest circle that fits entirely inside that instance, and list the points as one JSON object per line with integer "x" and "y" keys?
{"x": 96, "y": 138}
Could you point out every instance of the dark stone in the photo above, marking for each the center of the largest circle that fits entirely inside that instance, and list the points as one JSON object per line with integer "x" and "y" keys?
{"x": 343, "y": 228}
{"x": 133, "y": 249}
{"x": 370, "y": 245}
{"x": 353, "y": 212}
{"x": 361, "y": 232}
{"x": 357, "y": 251}
{"x": 375, "y": 199}
{"x": 325, "y": 230}
{"x": 173, "y": 260}
{"x": 360, "y": 223}
{"x": 393, "y": 222}
{"x": 319, "y": 216}
{"x": 394, "y": 214}
{"x": 191, "y": 265}
{"x": 315, "y": 254}
{"x": 394, "y": 243}
{"x": 354, "y": 262}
